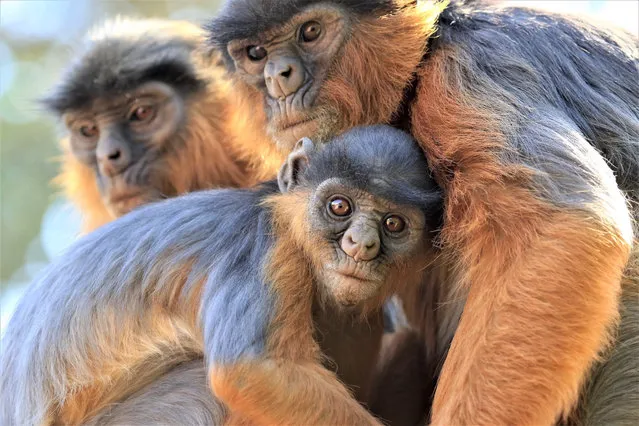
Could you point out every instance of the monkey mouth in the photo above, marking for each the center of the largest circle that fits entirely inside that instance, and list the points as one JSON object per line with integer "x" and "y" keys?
{"x": 355, "y": 276}
{"x": 288, "y": 132}
{"x": 352, "y": 289}
{"x": 287, "y": 125}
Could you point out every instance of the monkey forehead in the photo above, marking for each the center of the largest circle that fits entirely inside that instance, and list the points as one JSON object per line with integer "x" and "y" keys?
{"x": 242, "y": 19}
{"x": 115, "y": 65}
{"x": 379, "y": 159}
{"x": 326, "y": 14}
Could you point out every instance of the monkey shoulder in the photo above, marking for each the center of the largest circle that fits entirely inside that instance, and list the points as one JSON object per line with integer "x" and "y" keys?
{"x": 526, "y": 39}
{"x": 238, "y": 302}
{"x": 537, "y": 67}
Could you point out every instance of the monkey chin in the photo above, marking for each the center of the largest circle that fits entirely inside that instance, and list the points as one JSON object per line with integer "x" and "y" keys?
{"x": 349, "y": 291}
{"x": 286, "y": 137}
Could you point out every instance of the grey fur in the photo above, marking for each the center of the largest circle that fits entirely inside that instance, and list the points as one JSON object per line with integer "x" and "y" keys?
{"x": 124, "y": 54}
{"x": 135, "y": 279}
{"x": 562, "y": 73}
{"x": 105, "y": 284}
{"x": 567, "y": 95}
{"x": 180, "y": 397}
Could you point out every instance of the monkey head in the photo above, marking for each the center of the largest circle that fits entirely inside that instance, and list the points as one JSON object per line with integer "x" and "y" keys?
{"x": 370, "y": 215}
{"x": 322, "y": 66}
{"x": 128, "y": 105}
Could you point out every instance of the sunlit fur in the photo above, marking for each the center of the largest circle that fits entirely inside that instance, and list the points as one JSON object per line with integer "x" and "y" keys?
{"x": 223, "y": 143}
{"x": 530, "y": 123}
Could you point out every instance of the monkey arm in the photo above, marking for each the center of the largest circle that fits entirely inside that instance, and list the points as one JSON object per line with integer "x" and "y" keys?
{"x": 279, "y": 391}
{"x": 543, "y": 248}
{"x": 610, "y": 396}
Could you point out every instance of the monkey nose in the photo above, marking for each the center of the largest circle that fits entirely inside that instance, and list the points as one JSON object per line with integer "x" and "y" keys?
{"x": 360, "y": 244}
{"x": 284, "y": 76}
{"x": 113, "y": 157}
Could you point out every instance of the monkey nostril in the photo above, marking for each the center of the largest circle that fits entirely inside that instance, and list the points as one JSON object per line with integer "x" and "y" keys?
{"x": 114, "y": 155}
{"x": 287, "y": 72}
{"x": 371, "y": 245}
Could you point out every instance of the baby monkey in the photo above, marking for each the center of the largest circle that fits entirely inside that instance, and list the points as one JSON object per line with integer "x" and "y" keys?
{"x": 240, "y": 274}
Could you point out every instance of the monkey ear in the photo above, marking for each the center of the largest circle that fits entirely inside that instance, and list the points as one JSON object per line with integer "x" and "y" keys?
{"x": 297, "y": 161}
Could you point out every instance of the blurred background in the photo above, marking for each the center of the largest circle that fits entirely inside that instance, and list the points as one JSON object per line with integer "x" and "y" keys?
{"x": 37, "y": 39}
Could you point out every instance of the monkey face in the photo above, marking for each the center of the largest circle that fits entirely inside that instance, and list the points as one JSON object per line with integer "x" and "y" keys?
{"x": 324, "y": 67}
{"x": 289, "y": 64}
{"x": 363, "y": 241}
{"x": 124, "y": 139}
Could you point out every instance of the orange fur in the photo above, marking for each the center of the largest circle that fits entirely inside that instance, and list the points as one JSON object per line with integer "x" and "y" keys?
{"x": 356, "y": 93}
{"x": 144, "y": 351}
{"x": 295, "y": 287}
{"x": 79, "y": 185}
{"x": 535, "y": 319}
{"x": 288, "y": 393}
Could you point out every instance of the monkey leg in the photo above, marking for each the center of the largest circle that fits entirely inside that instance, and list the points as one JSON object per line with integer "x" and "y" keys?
{"x": 543, "y": 239}
{"x": 179, "y": 397}
{"x": 284, "y": 392}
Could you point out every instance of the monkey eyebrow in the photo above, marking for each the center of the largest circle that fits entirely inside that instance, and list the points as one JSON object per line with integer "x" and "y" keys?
{"x": 277, "y": 39}
{"x": 315, "y": 13}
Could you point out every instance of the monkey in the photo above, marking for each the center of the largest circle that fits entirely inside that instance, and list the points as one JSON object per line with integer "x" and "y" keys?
{"x": 235, "y": 274}
{"x": 212, "y": 125}
{"x": 530, "y": 123}
{"x": 201, "y": 144}
{"x": 150, "y": 114}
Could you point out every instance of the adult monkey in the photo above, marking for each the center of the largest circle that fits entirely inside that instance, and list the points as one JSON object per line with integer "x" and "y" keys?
{"x": 526, "y": 119}
{"x": 151, "y": 114}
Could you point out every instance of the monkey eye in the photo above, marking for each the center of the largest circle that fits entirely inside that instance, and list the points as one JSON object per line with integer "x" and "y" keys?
{"x": 256, "y": 53}
{"x": 310, "y": 31}
{"x": 89, "y": 131}
{"x": 339, "y": 206}
{"x": 142, "y": 113}
{"x": 394, "y": 224}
